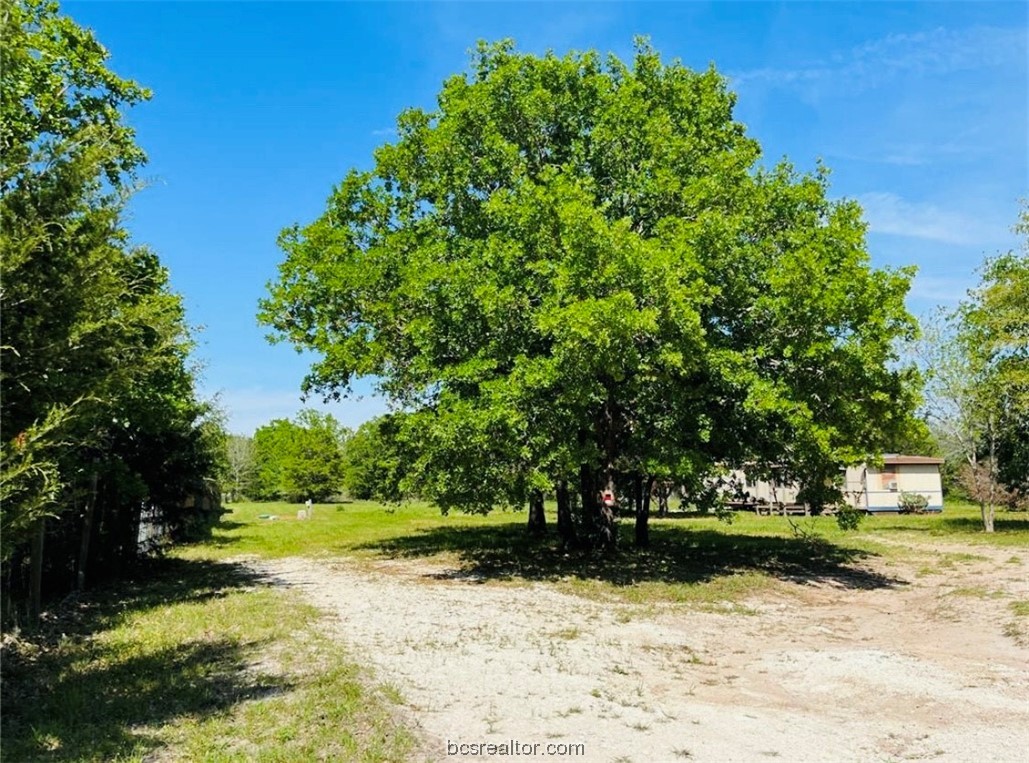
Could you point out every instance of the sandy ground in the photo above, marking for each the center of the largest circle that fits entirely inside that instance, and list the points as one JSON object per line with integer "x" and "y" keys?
{"x": 920, "y": 671}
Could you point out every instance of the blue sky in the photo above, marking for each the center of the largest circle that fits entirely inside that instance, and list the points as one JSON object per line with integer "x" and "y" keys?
{"x": 919, "y": 110}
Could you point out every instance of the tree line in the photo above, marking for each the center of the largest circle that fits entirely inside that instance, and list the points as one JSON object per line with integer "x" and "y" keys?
{"x": 102, "y": 427}
{"x": 313, "y": 457}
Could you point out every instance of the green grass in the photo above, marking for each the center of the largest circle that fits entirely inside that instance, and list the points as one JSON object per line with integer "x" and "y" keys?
{"x": 1018, "y": 628}
{"x": 977, "y": 592}
{"x": 196, "y": 658}
{"x": 334, "y": 529}
{"x": 363, "y": 528}
{"x": 959, "y": 522}
{"x": 693, "y": 559}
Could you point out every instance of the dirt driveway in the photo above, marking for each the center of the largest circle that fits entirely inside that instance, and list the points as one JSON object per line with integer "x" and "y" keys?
{"x": 929, "y": 669}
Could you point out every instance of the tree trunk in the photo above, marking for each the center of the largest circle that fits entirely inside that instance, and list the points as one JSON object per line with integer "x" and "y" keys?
{"x": 36, "y": 571}
{"x": 642, "y": 511}
{"x": 599, "y": 518}
{"x": 983, "y": 481}
{"x": 661, "y": 491}
{"x": 607, "y": 530}
{"x": 537, "y": 516}
{"x": 606, "y": 523}
{"x": 988, "y": 512}
{"x": 608, "y": 526}
{"x": 588, "y": 496}
{"x": 565, "y": 526}
{"x": 87, "y": 533}
{"x": 992, "y": 476}
{"x": 643, "y": 488}
{"x": 6, "y": 601}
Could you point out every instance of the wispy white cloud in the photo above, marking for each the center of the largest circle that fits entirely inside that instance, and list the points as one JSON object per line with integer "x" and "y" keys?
{"x": 936, "y": 52}
{"x": 941, "y": 51}
{"x": 385, "y": 131}
{"x": 968, "y": 145}
{"x": 940, "y": 290}
{"x": 889, "y": 213}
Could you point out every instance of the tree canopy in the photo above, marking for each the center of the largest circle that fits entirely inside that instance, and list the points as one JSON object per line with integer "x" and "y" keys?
{"x": 376, "y": 462}
{"x": 574, "y": 270}
{"x": 977, "y": 359}
{"x": 298, "y": 460}
{"x": 99, "y": 409}
{"x": 995, "y": 337}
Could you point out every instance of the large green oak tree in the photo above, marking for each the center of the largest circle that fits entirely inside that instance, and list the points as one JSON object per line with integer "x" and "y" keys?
{"x": 577, "y": 277}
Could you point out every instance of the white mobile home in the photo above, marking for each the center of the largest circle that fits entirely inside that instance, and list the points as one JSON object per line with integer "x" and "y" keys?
{"x": 772, "y": 492}
{"x": 869, "y": 488}
{"x": 878, "y": 489}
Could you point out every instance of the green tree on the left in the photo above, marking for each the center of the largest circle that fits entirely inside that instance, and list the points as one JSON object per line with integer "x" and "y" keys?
{"x": 99, "y": 408}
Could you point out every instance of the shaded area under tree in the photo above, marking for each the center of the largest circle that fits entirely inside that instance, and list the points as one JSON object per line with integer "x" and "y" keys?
{"x": 70, "y": 696}
{"x": 676, "y": 555}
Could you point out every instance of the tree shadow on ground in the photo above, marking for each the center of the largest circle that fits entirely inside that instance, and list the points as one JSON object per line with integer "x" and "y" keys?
{"x": 1001, "y": 524}
{"x": 627, "y": 516}
{"x": 69, "y": 694}
{"x": 676, "y": 555}
{"x": 222, "y": 534}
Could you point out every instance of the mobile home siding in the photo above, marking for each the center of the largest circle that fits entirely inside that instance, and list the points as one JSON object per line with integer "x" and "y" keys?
{"x": 923, "y": 479}
{"x": 870, "y": 488}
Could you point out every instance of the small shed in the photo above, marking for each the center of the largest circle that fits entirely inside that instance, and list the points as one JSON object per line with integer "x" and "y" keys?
{"x": 878, "y": 489}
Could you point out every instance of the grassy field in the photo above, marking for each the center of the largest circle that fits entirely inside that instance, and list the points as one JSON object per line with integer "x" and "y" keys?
{"x": 198, "y": 658}
{"x": 363, "y": 528}
{"x": 692, "y": 558}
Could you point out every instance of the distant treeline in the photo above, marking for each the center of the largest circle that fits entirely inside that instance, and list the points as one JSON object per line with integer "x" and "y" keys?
{"x": 314, "y": 457}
